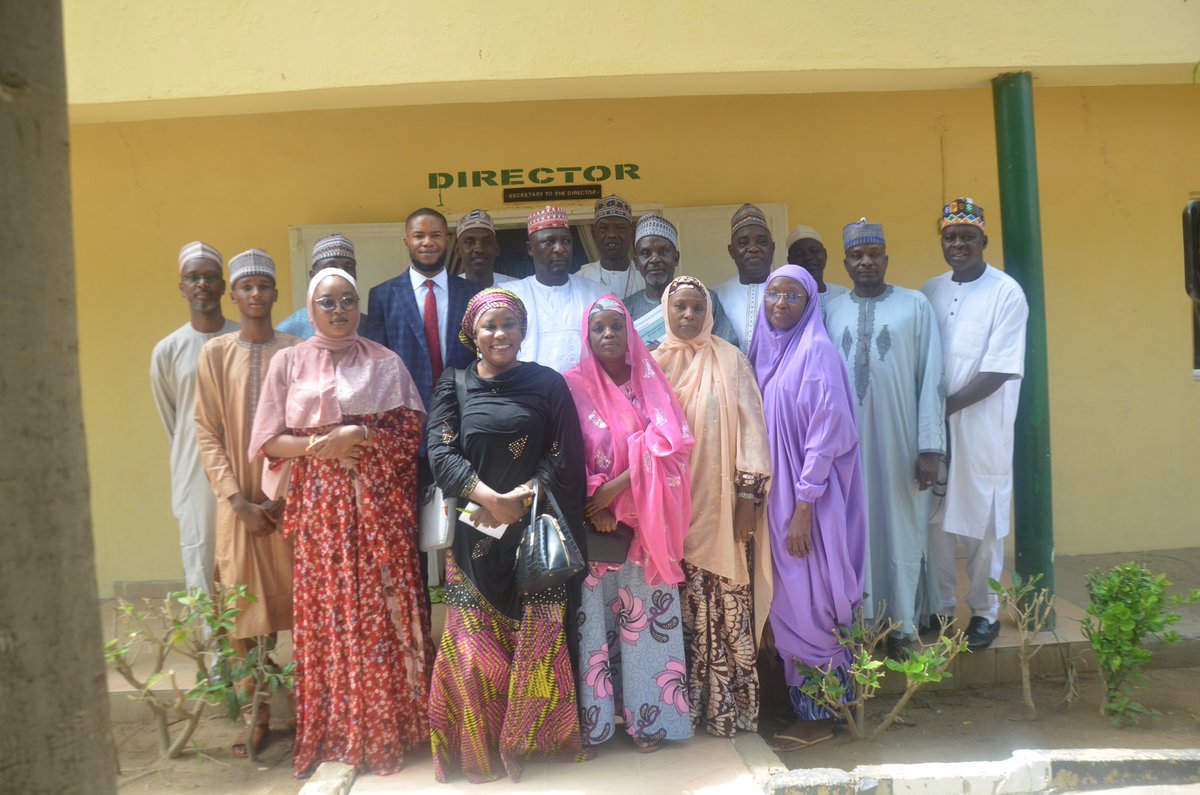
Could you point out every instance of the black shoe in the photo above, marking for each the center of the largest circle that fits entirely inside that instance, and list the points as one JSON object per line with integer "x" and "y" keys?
{"x": 899, "y": 648}
{"x": 934, "y": 626}
{"x": 981, "y": 632}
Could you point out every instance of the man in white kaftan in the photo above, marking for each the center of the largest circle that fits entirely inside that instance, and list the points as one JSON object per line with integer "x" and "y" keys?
{"x": 981, "y": 314}
{"x": 888, "y": 337}
{"x": 554, "y": 298}
{"x": 612, "y": 231}
{"x": 753, "y": 250}
{"x": 173, "y": 384}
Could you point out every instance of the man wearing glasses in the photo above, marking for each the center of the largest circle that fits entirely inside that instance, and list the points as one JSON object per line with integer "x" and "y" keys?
{"x": 173, "y": 384}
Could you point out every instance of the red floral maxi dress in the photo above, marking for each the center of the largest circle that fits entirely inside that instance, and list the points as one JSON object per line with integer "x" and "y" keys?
{"x": 363, "y": 645}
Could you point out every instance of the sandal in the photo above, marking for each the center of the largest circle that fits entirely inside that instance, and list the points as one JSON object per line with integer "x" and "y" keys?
{"x": 239, "y": 749}
{"x": 646, "y": 745}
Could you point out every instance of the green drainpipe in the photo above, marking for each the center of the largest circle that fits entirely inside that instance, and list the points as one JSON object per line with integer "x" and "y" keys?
{"x": 1016, "y": 156}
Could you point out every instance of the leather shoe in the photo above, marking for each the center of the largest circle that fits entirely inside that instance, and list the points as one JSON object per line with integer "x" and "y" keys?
{"x": 981, "y": 632}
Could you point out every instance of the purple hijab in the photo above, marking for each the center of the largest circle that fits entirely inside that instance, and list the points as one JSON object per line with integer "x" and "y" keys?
{"x": 815, "y": 458}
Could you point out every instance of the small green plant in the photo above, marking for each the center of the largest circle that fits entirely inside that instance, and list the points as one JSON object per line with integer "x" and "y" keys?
{"x": 923, "y": 664}
{"x": 1032, "y": 610}
{"x": 195, "y": 627}
{"x": 1128, "y": 604}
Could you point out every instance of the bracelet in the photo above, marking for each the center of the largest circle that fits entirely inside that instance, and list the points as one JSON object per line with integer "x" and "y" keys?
{"x": 747, "y": 495}
{"x": 366, "y": 433}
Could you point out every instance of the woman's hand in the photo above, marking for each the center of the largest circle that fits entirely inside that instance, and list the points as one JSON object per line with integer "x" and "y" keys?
{"x": 507, "y": 508}
{"x": 604, "y": 521}
{"x": 799, "y": 532}
{"x": 745, "y": 520}
{"x": 345, "y": 441}
{"x": 483, "y": 518}
{"x": 259, "y": 520}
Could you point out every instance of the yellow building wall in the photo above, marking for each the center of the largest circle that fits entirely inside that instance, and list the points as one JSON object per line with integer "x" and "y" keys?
{"x": 1116, "y": 166}
{"x": 136, "y": 59}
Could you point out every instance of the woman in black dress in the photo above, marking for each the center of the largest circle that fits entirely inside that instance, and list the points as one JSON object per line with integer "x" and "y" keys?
{"x": 503, "y": 689}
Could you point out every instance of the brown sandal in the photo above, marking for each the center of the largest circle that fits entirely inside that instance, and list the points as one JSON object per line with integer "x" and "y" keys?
{"x": 239, "y": 749}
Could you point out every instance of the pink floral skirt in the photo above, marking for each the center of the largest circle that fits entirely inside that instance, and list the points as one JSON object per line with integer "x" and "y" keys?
{"x": 631, "y": 658}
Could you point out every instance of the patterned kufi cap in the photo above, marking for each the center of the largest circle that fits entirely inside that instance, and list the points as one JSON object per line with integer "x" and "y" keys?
{"x": 334, "y": 245}
{"x": 857, "y": 233}
{"x": 748, "y": 215}
{"x": 476, "y": 219}
{"x": 548, "y": 218}
{"x": 613, "y": 206}
{"x": 252, "y": 262}
{"x": 962, "y": 211}
{"x": 198, "y": 250}
{"x": 656, "y": 225}
{"x": 482, "y": 301}
{"x": 686, "y": 282}
{"x": 803, "y": 232}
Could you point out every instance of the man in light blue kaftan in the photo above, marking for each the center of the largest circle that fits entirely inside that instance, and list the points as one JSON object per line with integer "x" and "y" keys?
{"x": 888, "y": 338}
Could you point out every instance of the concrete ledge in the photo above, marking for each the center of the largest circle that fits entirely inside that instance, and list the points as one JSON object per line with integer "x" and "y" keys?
{"x": 1023, "y": 772}
{"x": 758, "y": 757}
{"x": 331, "y": 778}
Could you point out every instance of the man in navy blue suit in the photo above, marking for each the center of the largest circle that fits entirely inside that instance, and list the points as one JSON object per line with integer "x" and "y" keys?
{"x": 418, "y": 313}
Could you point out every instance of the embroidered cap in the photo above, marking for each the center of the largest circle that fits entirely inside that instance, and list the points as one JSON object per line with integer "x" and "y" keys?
{"x": 334, "y": 245}
{"x": 748, "y": 215}
{"x": 547, "y": 218}
{"x": 199, "y": 250}
{"x": 656, "y": 225}
{"x": 860, "y": 232}
{"x": 962, "y": 211}
{"x": 251, "y": 262}
{"x": 476, "y": 219}
{"x": 803, "y": 232}
{"x": 613, "y": 206}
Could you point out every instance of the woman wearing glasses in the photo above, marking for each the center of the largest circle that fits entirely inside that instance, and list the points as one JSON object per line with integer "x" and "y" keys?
{"x": 346, "y": 416}
{"x": 816, "y": 510}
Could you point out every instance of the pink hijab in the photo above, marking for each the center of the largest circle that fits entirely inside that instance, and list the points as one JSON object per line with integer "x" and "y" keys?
{"x": 651, "y": 440}
{"x": 303, "y": 390}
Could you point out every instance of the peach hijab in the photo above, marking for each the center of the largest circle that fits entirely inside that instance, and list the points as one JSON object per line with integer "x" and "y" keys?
{"x": 719, "y": 394}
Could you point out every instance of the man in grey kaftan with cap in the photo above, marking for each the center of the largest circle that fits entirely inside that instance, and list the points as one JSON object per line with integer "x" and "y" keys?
{"x": 888, "y": 338}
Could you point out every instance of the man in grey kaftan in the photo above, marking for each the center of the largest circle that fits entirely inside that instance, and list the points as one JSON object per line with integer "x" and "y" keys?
{"x": 888, "y": 337}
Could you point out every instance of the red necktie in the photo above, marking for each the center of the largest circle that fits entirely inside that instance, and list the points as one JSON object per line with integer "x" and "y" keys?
{"x": 431, "y": 330}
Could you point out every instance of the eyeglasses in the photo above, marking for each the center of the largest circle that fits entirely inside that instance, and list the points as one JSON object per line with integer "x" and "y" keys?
{"x": 202, "y": 278}
{"x": 791, "y": 298}
{"x": 327, "y": 304}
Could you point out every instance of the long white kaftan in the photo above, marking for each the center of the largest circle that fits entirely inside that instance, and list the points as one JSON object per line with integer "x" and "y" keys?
{"x": 173, "y": 384}
{"x": 741, "y": 303}
{"x": 619, "y": 283}
{"x": 983, "y": 330}
{"x": 555, "y": 319}
{"x": 893, "y": 353}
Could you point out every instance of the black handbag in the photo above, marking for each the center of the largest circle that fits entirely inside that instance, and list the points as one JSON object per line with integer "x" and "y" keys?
{"x": 548, "y": 555}
{"x": 608, "y": 547}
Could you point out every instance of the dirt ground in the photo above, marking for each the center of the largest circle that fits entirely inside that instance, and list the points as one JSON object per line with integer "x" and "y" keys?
{"x": 986, "y": 723}
{"x": 982, "y": 723}
{"x": 207, "y": 768}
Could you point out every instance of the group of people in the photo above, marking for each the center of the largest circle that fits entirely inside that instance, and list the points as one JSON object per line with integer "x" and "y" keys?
{"x": 774, "y": 453}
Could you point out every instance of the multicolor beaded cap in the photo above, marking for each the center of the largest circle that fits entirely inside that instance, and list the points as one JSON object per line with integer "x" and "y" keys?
{"x": 656, "y": 225}
{"x": 748, "y": 215}
{"x": 491, "y": 298}
{"x": 251, "y": 262}
{"x": 547, "y": 218}
{"x": 198, "y": 250}
{"x": 613, "y": 206}
{"x": 860, "y": 232}
{"x": 476, "y": 219}
{"x": 335, "y": 245}
{"x": 962, "y": 211}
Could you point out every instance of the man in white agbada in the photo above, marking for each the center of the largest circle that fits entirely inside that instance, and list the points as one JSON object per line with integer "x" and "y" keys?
{"x": 806, "y": 249}
{"x": 888, "y": 337}
{"x": 612, "y": 230}
{"x": 173, "y": 384}
{"x": 981, "y": 314}
{"x": 554, "y": 298}
{"x": 753, "y": 250}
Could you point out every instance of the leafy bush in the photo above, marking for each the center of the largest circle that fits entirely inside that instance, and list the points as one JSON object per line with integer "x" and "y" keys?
{"x": 1128, "y": 605}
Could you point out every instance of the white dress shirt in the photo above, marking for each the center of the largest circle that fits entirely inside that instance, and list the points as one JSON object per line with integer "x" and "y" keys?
{"x": 441, "y": 295}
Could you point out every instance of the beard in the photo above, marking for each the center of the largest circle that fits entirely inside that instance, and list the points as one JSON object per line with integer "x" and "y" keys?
{"x": 434, "y": 268}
